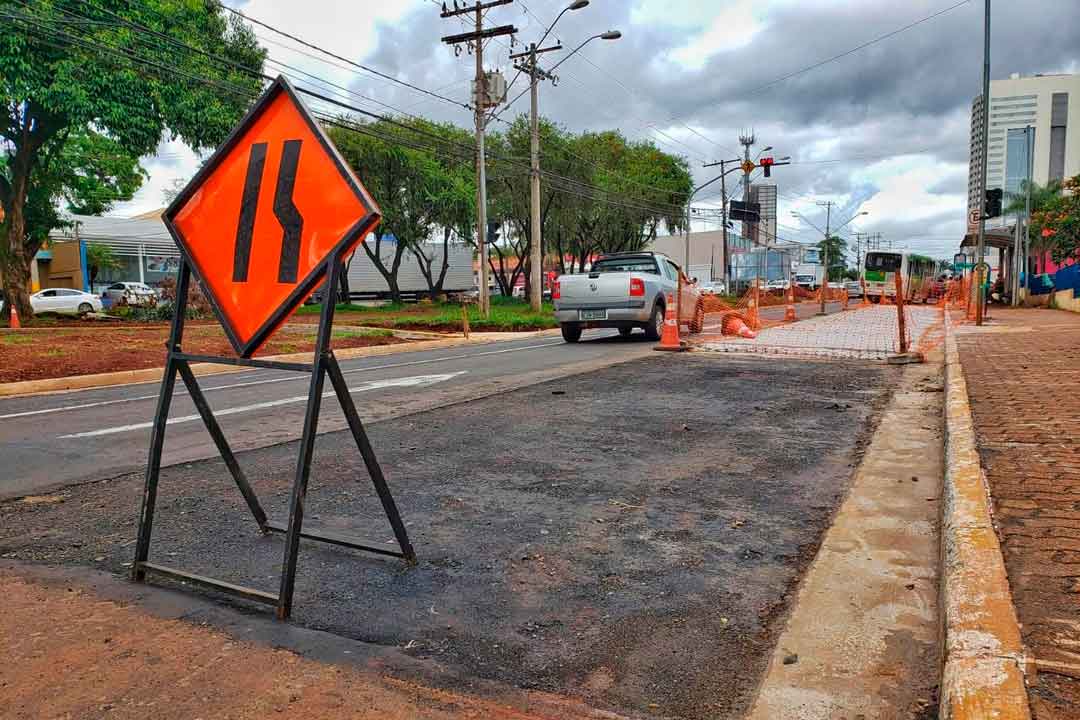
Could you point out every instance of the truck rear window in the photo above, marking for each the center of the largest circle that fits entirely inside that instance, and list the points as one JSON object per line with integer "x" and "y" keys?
{"x": 642, "y": 264}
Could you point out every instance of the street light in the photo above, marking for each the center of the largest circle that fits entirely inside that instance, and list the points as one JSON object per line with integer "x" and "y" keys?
{"x": 609, "y": 35}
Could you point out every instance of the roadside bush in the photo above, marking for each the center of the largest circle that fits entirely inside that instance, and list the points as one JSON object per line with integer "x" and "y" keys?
{"x": 198, "y": 307}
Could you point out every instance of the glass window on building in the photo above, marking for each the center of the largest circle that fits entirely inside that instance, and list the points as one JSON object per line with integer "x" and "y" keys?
{"x": 1017, "y": 160}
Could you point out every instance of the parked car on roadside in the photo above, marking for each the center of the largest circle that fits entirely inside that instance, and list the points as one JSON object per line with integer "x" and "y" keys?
{"x": 62, "y": 300}
{"x": 626, "y": 291}
{"x": 130, "y": 293}
{"x": 854, "y": 288}
{"x": 713, "y": 288}
{"x": 776, "y": 285}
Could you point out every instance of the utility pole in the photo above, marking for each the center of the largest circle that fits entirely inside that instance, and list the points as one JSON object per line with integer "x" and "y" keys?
{"x": 858, "y": 250}
{"x": 980, "y": 248}
{"x": 825, "y": 252}
{"x": 536, "y": 251}
{"x": 481, "y": 102}
{"x": 723, "y": 219}
{"x": 723, "y": 225}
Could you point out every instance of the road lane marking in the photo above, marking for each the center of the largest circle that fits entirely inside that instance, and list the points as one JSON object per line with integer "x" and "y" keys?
{"x": 414, "y": 381}
{"x": 268, "y": 381}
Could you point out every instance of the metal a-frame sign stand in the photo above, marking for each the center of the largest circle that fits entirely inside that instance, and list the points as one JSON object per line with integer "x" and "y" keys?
{"x": 324, "y": 365}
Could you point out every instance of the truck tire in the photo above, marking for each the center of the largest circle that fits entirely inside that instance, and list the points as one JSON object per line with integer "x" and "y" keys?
{"x": 697, "y": 323}
{"x": 655, "y": 328}
{"x": 571, "y": 332}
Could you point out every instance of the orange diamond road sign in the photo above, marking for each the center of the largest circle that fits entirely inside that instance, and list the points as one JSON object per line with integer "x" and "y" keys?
{"x": 258, "y": 223}
{"x": 748, "y": 166}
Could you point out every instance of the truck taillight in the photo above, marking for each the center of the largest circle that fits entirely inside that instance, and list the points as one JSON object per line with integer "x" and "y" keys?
{"x": 637, "y": 287}
{"x": 555, "y": 291}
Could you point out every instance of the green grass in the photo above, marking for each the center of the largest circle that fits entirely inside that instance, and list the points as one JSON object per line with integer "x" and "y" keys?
{"x": 351, "y": 308}
{"x": 348, "y": 332}
{"x": 507, "y": 314}
{"x": 18, "y": 339}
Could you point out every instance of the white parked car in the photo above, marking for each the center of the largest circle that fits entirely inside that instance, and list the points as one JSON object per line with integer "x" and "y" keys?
{"x": 132, "y": 293}
{"x": 712, "y": 288}
{"x": 63, "y": 300}
{"x": 776, "y": 285}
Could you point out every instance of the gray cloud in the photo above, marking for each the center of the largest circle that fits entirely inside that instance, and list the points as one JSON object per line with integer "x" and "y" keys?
{"x": 908, "y": 94}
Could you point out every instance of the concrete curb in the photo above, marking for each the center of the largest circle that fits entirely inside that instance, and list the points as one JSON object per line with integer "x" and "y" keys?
{"x": 145, "y": 375}
{"x": 984, "y": 666}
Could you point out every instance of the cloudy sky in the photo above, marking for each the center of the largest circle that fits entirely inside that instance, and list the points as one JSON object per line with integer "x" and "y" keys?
{"x": 883, "y": 129}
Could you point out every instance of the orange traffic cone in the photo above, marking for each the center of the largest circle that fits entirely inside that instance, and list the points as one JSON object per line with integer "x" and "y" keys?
{"x": 865, "y": 298}
{"x": 843, "y": 299}
{"x": 15, "y": 324}
{"x": 752, "y": 317}
{"x": 735, "y": 324}
{"x": 669, "y": 339}
{"x": 789, "y": 312}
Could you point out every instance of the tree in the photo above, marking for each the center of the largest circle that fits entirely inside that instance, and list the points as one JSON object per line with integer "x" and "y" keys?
{"x": 833, "y": 250}
{"x": 402, "y": 175}
{"x": 453, "y": 194}
{"x": 1055, "y": 227}
{"x": 91, "y": 87}
{"x": 1042, "y": 197}
{"x": 99, "y": 257}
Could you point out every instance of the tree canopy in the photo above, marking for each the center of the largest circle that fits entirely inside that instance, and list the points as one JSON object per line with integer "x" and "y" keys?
{"x": 1055, "y": 219}
{"x": 89, "y": 88}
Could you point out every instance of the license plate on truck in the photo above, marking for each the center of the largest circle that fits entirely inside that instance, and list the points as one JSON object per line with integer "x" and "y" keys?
{"x": 592, "y": 314}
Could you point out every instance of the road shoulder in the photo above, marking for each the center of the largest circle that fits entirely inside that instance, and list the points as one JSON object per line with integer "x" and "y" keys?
{"x": 862, "y": 639}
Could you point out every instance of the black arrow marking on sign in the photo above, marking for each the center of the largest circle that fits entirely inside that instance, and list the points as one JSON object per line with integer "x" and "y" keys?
{"x": 248, "y": 205}
{"x": 290, "y": 218}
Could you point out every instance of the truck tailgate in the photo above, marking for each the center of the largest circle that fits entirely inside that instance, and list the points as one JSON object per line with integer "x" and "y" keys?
{"x": 604, "y": 288}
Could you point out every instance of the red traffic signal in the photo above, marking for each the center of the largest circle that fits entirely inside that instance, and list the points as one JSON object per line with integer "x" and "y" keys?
{"x": 766, "y": 163}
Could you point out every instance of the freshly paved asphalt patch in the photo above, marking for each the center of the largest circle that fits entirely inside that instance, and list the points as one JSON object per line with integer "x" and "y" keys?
{"x": 629, "y": 536}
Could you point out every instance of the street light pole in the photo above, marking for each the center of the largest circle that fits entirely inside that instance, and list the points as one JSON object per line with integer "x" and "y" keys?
{"x": 825, "y": 254}
{"x": 536, "y": 252}
{"x": 980, "y": 248}
{"x": 536, "y": 242}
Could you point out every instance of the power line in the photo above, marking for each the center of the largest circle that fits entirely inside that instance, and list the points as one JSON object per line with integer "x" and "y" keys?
{"x": 854, "y": 50}
{"x": 565, "y": 185}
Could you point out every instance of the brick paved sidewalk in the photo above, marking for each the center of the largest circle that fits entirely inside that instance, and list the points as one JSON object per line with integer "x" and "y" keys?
{"x": 868, "y": 332}
{"x": 1023, "y": 374}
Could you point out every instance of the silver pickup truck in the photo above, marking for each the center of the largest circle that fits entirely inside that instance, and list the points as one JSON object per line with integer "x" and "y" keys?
{"x": 626, "y": 291}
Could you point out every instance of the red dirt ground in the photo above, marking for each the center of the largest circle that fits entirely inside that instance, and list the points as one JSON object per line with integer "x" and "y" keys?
{"x": 71, "y": 654}
{"x": 83, "y": 348}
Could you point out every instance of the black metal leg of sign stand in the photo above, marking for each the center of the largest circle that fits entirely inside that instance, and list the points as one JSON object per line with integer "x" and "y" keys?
{"x": 307, "y": 446}
{"x": 337, "y": 379}
{"x": 161, "y": 417}
{"x": 178, "y": 363}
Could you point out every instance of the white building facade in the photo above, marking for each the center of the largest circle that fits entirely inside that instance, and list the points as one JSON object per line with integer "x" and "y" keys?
{"x": 1050, "y": 105}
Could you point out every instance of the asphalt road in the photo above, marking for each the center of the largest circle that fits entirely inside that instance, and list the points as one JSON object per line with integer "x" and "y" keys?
{"x": 630, "y": 537}
{"x": 48, "y": 441}
{"x": 52, "y": 440}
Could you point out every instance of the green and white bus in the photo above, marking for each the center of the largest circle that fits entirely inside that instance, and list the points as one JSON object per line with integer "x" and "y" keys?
{"x": 879, "y": 273}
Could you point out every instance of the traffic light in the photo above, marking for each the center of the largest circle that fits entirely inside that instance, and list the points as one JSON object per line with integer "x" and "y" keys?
{"x": 993, "y": 202}
{"x": 766, "y": 163}
{"x": 493, "y": 231}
